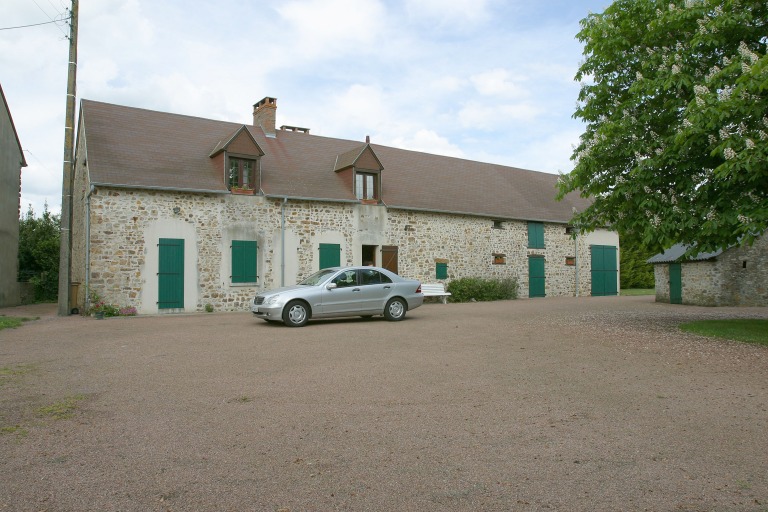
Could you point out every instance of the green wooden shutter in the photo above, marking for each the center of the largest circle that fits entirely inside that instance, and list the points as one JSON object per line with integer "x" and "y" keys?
{"x": 536, "y": 235}
{"x": 536, "y": 277}
{"x": 244, "y": 258}
{"x": 441, "y": 271}
{"x": 170, "y": 275}
{"x": 330, "y": 255}
{"x": 604, "y": 270}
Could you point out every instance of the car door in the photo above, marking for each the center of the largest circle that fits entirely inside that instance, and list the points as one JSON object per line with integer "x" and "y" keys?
{"x": 344, "y": 298}
{"x": 375, "y": 290}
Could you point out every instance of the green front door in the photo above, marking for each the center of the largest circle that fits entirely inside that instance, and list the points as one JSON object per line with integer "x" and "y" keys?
{"x": 536, "y": 279}
{"x": 170, "y": 275}
{"x": 330, "y": 255}
{"x": 675, "y": 283}
{"x": 605, "y": 271}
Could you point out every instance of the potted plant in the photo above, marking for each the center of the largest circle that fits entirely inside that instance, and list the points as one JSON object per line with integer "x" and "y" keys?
{"x": 244, "y": 189}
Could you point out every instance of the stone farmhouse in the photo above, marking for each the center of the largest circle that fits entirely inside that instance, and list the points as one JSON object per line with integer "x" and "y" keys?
{"x": 11, "y": 162}
{"x": 737, "y": 276}
{"x": 172, "y": 213}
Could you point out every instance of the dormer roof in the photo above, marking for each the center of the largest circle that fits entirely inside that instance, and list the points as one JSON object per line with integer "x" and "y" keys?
{"x": 363, "y": 157}
{"x": 240, "y": 142}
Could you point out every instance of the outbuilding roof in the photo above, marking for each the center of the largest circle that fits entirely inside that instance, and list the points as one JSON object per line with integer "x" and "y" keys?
{"x": 138, "y": 148}
{"x": 676, "y": 253}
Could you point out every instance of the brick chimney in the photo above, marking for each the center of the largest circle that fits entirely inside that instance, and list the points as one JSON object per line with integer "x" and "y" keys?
{"x": 264, "y": 115}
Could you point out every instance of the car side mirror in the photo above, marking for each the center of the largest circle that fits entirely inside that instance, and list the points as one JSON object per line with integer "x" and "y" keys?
{"x": 331, "y": 286}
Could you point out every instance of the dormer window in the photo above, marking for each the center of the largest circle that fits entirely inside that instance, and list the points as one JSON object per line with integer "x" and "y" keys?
{"x": 238, "y": 157}
{"x": 365, "y": 186}
{"x": 242, "y": 173}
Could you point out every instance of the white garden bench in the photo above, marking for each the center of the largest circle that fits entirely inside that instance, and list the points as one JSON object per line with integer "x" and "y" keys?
{"x": 435, "y": 290}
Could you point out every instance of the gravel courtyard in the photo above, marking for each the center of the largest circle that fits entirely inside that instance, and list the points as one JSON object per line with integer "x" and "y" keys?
{"x": 591, "y": 404}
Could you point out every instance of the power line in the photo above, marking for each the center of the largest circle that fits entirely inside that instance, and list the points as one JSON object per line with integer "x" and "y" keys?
{"x": 37, "y": 24}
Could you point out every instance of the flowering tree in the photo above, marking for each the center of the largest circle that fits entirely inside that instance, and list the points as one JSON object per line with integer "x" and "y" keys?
{"x": 675, "y": 99}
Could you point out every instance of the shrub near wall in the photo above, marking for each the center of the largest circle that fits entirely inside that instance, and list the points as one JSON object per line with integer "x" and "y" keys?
{"x": 467, "y": 289}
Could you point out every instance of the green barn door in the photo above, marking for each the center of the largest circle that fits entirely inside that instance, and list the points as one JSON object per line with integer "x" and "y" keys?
{"x": 330, "y": 255}
{"x": 536, "y": 277}
{"x": 605, "y": 271}
{"x": 675, "y": 283}
{"x": 170, "y": 276}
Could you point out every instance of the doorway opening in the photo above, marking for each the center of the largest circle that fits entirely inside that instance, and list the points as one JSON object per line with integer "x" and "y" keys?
{"x": 369, "y": 255}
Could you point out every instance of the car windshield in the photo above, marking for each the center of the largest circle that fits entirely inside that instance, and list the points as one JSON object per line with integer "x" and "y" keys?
{"x": 317, "y": 277}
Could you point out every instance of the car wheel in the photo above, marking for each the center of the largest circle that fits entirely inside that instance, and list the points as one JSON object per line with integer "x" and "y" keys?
{"x": 395, "y": 310}
{"x": 295, "y": 313}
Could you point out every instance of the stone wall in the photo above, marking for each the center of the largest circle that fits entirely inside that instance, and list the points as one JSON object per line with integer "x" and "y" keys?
{"x": 126, "y": 225}
{"x": 737, "y": 277}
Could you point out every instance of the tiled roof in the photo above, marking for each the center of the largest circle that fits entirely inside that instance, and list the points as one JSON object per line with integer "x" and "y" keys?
{"x": 131, "y": 147}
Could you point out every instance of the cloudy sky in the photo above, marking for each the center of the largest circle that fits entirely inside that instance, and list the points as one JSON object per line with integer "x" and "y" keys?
{"x": 487, "y": 80}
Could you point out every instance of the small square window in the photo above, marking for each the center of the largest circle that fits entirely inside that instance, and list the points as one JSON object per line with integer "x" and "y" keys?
{"x": 570, "y": 261}
{"x": 499, "y": 259}
{"x": 497, "y": 224}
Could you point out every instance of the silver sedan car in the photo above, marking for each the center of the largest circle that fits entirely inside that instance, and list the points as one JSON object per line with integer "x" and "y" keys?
{"x": 337, "y": 292}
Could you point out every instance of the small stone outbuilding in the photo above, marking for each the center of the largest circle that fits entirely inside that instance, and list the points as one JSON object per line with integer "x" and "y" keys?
{"x": 737, "y": 276}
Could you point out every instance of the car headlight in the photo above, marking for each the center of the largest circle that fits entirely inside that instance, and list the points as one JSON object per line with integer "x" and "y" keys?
{"x": 272, "y": 300}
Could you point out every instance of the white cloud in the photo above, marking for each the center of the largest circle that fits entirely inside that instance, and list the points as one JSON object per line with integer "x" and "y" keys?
{"x": 330, "y": 27}
{"x": 457, "y": 14}
{"x": 499, "y": 82}
{"x": 426, "y": 141}
{"x": 491, "y": 116}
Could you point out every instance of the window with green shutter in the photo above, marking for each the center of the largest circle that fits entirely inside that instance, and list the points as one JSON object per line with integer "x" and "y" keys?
{"x": 244, "y": 257}
{"x": 441, "y": 270}
{"x": 535, "y": 235}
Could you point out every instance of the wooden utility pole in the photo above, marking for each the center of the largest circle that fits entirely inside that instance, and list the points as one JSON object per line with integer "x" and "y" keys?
{"x": 65, "y": 252}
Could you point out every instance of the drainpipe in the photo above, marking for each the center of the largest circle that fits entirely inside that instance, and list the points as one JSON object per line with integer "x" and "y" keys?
{"x": 282, "y": 242}
{"x": 88, "y": 248}
{"x": 576, "y": 259}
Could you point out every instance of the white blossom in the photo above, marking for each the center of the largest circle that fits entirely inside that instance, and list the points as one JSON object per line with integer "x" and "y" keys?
{"x": 749, "y": 143}
{"x": 638, "y": 76}
{"x": 700, "y": 90}
{"x": 687, "y": 123}
{"x": 729, "y": 153}
{"x": 747, "y": 54}
{"x": 745, "y": 68}
{"x": 676, "y": 69}
{"x": 724, "y": 134}
{"x": 744, "y": 219}
{"x": 763, "y": 135}
{"x": 712, "y": 139}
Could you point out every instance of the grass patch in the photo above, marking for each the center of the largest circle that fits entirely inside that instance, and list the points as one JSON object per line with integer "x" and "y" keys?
{"x": 9, "y": 372}
{"x": 12, "y": 322}
{"x": 61, "y": 410}
{"x": 637, "y": 291}
{"x": 746, "y": 330}
{"x": 16, "y": 430}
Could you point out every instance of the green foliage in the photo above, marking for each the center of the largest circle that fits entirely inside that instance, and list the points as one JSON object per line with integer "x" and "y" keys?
{"x": 635, "y": 272}
{"x": 675, "y": 97}
{"x": 99, "y": 305}
{"x": 12, "y": 322}
{"x": 39, "y": 241}
{"x": 747, "y": 330}
{"x": 466, "y": 289}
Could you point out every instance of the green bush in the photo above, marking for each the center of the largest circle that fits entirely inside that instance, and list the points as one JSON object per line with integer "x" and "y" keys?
{"x": 466, "y": 289}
